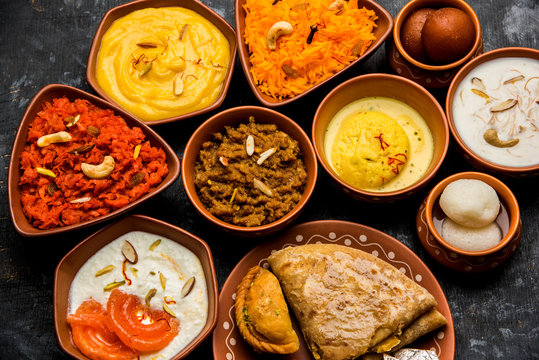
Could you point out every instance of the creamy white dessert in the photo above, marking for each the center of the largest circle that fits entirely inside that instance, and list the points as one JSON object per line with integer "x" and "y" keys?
{"x": 500, "y": 96}
{"x": 166, "y": 260}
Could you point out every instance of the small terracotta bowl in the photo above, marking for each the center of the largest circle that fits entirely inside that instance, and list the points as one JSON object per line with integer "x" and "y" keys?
{"x": 75, "y": 259}
{"x": 125, "y": 9}
{"x": 430, "y": 216}
{"x": 474, "y": 159}
{"x": 390, "y": 86}
{"x": 430, "y": 75}
{"x": 48, "y": 93}
{"x": 232, "y": 117}
{"x": 384, "y": 24}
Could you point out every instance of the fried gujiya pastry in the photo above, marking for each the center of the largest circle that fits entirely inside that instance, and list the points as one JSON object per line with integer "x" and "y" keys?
{"x": 262, "y": 314}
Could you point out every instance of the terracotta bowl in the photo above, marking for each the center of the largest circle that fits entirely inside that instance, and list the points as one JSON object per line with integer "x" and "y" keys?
{"x": 429, "y": 75}
{"x": 468, "y": 154}
{"x": 382, "y": 31}
{"x": 430, "y": 215}
{"x": 233, "y": 117}
{"x": 197, "y": 6}
{"x": 48, "y": 93}
{"x": 389, "y": 86}
{"x": 73, "y": 261}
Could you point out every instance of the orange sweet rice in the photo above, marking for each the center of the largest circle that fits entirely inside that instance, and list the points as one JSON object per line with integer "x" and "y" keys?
{"x": 341, "y": 36}
{"x": 48, "y": 201}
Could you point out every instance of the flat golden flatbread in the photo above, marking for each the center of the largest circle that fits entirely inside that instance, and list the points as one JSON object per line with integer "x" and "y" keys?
{"x": 347, "y": 301}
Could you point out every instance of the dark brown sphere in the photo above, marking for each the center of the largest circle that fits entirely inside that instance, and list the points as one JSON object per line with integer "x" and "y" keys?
{"x": 448, "y": 35}
{"x": 411, "y": 33}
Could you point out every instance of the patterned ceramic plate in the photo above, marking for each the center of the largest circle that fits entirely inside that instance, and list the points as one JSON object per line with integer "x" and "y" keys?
{"x": 227, "y": 341}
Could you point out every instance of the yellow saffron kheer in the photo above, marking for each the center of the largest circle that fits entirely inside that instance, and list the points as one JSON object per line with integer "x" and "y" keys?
{"x": 378, "y": 144}
{"x": 159, "y": 63}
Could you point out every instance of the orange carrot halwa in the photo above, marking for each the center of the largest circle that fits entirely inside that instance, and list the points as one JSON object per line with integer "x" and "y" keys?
{"x": 326, "y": 36}
{"x": 56, "y": 187}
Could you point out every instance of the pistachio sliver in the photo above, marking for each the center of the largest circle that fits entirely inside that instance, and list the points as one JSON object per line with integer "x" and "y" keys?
{"x": 163, "y": 281}
{"x": 105, "y": 270}
{"x": 504, "y": 105}
{"x": 129, "y": 252}
{"x": 168, "y": 311}
{"x": 136, "y": 152}
{"x": 114, "y": 285}
{"x": 72, "y": 120}
{"x": 146, "y": 68}
{"x": 45, "y": 172}
{"x": 151, "y": 293}
{"x": 155, "y": 244}
{"x": 188, "y": 286}
{"x": 135, "y": 272}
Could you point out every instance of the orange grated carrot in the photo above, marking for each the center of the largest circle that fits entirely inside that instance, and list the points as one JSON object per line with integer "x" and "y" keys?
{"x": 331, "y": 49}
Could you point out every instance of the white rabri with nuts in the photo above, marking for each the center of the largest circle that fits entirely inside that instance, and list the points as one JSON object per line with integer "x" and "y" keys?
{"x": 174, "y": 262}
{"x": 496, "y": 111}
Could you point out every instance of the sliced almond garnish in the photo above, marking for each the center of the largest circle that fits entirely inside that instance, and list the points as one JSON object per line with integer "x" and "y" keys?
{"x": 183, "y": 31}
{"x": 262, "y": 187}
{"x": 105, "y": 270}
{"x": 504, "y": 105}
{"x": 513, "y": 79}
{"x": 81, "y": 200}
{"x": 129, "y": 252}
{"x": 188, "y": 286}
{"x": 223, "y": 160}
{"x": 178, "y": 86}
{"x": 81, "y": 149}
{"x": 250, "y": 145}
{"x": 147, "y": 45}
{"x": 93, "y": 131}
{"x": 151, "y": 293}
{"x": 168, "y": 311}
{"x": 266, "y": 154}
{"x": 155, "y": 244}
{"x": 479, "y": 83}
{"x": 163, "y": 281}
{"x": 114, "y": 285}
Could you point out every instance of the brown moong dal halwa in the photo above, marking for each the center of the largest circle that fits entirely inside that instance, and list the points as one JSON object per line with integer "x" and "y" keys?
{"x": 251, "y": 174}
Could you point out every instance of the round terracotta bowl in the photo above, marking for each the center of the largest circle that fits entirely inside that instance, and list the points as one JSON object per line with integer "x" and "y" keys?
{"x": 47, "y": 94}
{"x": 76, "y": 258}
{"x": 474, "y": 159}
{"x": 430, "y": 213}
{"x": 429, "y": 75}
{"x": 390, "y": 86}
{"x": 194, "y": 5}
{"x": 232, "y": 117}
{"x": 384, "y": 24}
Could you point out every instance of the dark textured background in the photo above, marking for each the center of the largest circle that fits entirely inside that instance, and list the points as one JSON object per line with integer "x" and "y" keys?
{"x": 47, "y": 41}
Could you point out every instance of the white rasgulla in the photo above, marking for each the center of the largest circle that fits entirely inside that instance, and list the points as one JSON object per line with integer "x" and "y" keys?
{"x": 471, "y": 239}
{"x": 469, "y": 202}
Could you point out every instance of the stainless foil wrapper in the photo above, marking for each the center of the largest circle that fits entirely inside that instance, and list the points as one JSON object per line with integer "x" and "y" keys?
{"x": 412, "y": 354}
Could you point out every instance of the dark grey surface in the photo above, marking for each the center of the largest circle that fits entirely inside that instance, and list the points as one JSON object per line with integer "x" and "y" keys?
{"x": 47, "y": 41}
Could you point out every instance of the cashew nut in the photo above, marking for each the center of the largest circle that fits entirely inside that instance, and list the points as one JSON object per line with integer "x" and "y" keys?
{"x": 278, "y": 29}
{"x": 58, "y": 137}
{"x": 337, "y": 5}
{"x": 491, "y": 137}
{"x": 99, "y": 171}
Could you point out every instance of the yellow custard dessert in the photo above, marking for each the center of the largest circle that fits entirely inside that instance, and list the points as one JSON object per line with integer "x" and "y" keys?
{"x": 159, "y": 63}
